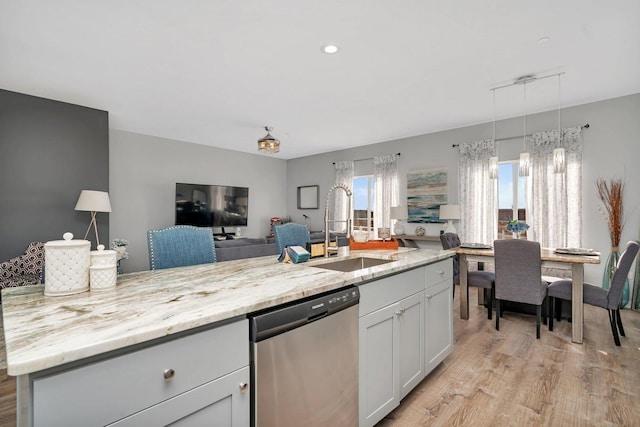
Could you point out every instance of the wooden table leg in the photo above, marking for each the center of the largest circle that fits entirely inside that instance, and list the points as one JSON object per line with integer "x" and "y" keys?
{"x": 464, "y": 288}
{"x": 577, "y": 302}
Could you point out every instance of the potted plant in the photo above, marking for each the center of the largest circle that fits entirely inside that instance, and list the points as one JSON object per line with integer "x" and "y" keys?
{"x": 517, "y": 228}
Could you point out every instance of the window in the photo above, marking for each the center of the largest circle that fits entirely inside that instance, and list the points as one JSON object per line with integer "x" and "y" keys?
{"x": 507, "y": 194}
{"x": 363, "y": 193}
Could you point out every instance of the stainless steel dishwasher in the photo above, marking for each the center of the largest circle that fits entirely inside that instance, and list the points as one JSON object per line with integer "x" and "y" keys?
{"x": 304, "y": 359}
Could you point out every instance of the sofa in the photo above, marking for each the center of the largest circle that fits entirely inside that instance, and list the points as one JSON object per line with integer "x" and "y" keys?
{"x": 232, "y": 249}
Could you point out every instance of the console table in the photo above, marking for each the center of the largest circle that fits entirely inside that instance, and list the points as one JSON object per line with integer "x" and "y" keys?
{"x": 409, "y": 240}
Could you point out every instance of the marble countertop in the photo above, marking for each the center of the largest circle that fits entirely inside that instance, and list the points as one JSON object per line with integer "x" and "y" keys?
{"x": 43, "y": 331}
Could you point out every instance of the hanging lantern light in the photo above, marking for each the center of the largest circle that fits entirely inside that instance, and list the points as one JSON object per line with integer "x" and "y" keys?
{"x": 268, "y": 144}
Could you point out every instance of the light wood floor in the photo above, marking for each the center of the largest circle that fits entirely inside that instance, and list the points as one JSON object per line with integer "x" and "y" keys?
{"x": 508, "y": 378}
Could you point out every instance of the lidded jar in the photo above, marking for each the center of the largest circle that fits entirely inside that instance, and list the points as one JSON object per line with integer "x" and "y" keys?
{"x": 103, "y": 270}
{"x": 66, "y": 266}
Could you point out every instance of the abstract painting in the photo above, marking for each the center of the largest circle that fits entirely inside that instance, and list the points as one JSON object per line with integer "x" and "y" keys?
{"x": 426, "y": 191}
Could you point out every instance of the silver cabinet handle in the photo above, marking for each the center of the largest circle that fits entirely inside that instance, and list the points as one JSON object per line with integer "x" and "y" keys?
{"x": 168, "y": 374}
{"x": 429, "y": 297}
{"x": 243, "y": 387}
{"x": 441, "y": 273}
{"x": 400, "y": 312}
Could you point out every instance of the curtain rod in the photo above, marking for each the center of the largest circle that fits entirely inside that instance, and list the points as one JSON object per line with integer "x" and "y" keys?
{"x": 368, "y": 158}
{"x": 520, "y": 136}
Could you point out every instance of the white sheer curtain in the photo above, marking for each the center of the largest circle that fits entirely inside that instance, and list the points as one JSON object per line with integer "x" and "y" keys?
{"x": 385, "y": 172}
{"x": 344, "y": 176}
{"x": 478, "y": 193}
{"x": 554, "y": 203}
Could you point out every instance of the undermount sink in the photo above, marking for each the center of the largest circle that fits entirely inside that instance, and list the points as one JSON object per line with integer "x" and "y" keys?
{"x": 352, "y": 264}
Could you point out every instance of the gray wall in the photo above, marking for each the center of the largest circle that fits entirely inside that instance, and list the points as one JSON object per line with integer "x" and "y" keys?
{"x": 144, "y": 172}
{"x": 49, "y": 152}
{"x": 611, "y": 149}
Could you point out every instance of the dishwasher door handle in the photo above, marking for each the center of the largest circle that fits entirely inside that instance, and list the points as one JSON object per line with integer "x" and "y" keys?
{"x": 317, "y": 316}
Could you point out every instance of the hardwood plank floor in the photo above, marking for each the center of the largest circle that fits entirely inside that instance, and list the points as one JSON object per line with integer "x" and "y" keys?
{"x": 508, "y": 378}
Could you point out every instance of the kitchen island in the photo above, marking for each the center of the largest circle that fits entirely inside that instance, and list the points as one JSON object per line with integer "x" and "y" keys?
{"x": 46, "y": 333}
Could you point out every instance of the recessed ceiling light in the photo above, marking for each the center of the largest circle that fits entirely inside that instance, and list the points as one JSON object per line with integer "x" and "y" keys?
{"x": 330, "y": 49}
{"x": 544, "y": 40}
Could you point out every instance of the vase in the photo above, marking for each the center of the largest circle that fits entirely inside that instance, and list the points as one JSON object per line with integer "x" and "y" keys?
{"x": 609, "y": 270}
{"x": 516, "y": 234}
{"x": 635, "y": 302}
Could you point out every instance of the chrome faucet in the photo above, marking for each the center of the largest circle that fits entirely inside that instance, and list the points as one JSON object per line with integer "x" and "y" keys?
{"x": 327, "y": 221}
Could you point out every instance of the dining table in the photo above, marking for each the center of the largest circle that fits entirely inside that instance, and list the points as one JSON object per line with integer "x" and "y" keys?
{"x": 550, "y": 259}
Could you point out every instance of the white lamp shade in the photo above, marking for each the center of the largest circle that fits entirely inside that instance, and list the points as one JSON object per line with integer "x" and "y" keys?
{"x": 399, "y": 212}
{"x": 93, "y": 201}
{"x": 450, "y": 212}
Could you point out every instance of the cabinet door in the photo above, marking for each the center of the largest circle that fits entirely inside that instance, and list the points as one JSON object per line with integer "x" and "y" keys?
{"x": 379, "y": 389}
{"x": 438, "y": 324}
{"x": 411, "y": 322}
{"x": 222, "y": 402}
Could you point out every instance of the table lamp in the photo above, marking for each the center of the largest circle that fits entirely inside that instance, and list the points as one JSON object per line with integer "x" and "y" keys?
{"x": 94, "y": 202}
{"x": 449, "y": 212}
{"x": 399, "y": 213}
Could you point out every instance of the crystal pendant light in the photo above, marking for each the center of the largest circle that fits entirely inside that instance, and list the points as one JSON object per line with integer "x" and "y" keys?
{"x": 268, "y": 144}
{"x": 525, "y": 158}
{"x": 493, "y": 161}
{"x": 559, "y": 161}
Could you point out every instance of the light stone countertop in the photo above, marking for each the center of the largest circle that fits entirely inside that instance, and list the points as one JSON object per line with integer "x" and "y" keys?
{"x": 44, "y": 331}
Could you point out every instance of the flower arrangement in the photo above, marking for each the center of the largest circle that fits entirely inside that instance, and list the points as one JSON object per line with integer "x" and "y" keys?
{"x": 611, "y": 195}
{"x": 120, "y": 246}
{"x": 517, "y": 227}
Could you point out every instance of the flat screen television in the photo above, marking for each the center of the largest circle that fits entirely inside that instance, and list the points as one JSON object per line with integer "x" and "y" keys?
{"x": 211, "y": 205}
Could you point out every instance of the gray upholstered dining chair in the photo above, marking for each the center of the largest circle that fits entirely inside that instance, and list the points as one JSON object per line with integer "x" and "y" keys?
{"x": 518, "y": 276}
{"x": 290, "y": 234}
{"x": 608, "y": 299}
{"x": 478, "y": 279}
{"x": 179, "y": 246}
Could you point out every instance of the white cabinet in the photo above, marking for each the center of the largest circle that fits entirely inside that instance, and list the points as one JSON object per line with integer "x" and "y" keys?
{"x": 391, "y": 342}
{"x": 438, "y": 324}
{"x": 411, "y": 327}
{"x": 379, "y": 364}
{"x": 438, "y": 313}
{"x": 204, "y": 374}
{"x": 406, "y": 330}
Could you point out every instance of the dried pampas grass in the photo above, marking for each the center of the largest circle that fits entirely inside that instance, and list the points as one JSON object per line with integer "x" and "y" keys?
{"x": 610, "y": 192}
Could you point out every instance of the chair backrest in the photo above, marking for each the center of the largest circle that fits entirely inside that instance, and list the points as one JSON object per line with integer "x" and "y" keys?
{"x": 290, "y": 234}
{"x": 621, "y": 274}
{"x": 179, "y": 246}
{"x": 518, "y": 271}
{"x": 450, "y": 241}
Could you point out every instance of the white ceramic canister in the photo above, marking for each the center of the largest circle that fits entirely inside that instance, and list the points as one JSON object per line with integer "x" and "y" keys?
{"x": 103, "y": 277}
{"x": 66, "y": 266}
{"x": 103, "y": 257}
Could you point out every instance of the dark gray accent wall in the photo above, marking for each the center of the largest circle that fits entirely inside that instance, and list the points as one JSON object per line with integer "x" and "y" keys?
{"x": 49, "y": 152}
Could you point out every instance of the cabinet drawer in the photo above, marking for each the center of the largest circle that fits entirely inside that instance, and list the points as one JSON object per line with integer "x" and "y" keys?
{"x": 380, "y": 293}
{"x": 223, "y": 402}
{"x": 439, "y": 271}
{"x": 103, "y": 392}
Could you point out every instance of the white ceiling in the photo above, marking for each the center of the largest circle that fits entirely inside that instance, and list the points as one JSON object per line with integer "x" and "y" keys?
{"x": 215, "y": 72}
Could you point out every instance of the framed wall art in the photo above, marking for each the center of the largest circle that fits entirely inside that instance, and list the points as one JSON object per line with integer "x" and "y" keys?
{"x": 426, "y": 191}
{"x": 308, "y": 197}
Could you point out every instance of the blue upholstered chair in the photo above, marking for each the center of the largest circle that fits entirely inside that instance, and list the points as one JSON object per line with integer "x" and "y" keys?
{"x": 290, "y": 234}
{"x": 519, "y": 276}
{"x": 608, "y": 299}
{"x": 179, "y": 246}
